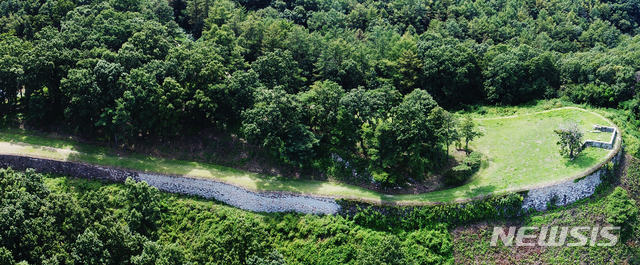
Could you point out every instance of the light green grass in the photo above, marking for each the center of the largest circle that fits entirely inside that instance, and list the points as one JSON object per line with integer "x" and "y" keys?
{"x": 178, "y": 167}
{"x": 520, "y": 152}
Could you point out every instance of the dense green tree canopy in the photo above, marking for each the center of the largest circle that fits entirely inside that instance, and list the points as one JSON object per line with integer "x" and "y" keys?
{"x": 307, "y": 79}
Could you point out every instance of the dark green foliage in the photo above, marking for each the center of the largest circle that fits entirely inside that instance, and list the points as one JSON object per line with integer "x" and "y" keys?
{"x": 517, "y": 75}
{"x": 232, "y": 242}
{"x": 86, "y": 222}
{"x": 400, "y": 144}
{"x": 6, "y": 257}
{"x": 452, "y": 71}
{"x": 621, "y": 210}
{"x": 279, "y": 69}
{"x": 40, "y": 224}
{"x": 459, "y": 174}
{"x": 159, "y": 254}
{"x": 596, "y": 94}
{"x": 390, "y": 218}
{"x": 143, "y": 207}
{"x": 428, "y": 246}
{"x": 274, "y": 258}
{"x": 275, "y": 122}
{"x": 380, "y": 249}
{"x": 128, "y": 70}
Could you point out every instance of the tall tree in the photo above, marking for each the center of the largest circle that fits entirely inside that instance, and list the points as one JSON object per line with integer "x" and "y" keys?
{"x": 198, "y": 11}
{"x": 570, "y": 140}
{"x": 469, "y": 131}
{"x": 278, "y": 68}
{"x": 446, "y": 127}
{"x": 274, "y": 122}
{"x": 410, "y": 71}
{"x": 403, "y": 144}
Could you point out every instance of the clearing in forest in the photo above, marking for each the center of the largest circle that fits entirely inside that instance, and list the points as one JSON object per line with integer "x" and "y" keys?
{"x": 519, "y": 153}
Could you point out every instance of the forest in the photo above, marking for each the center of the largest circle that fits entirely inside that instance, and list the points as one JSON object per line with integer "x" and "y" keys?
{"x": 55, "y": 220}
{"x": 357, "y": 89}
{"x": 313, "y": 82}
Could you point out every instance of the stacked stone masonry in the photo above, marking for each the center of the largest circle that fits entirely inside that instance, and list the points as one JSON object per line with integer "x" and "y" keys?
{"x": 207, "y": 188}
{"x": 567, "y": 192}
{"x": 563, "y": 193}
{"x": 606, "y": 145}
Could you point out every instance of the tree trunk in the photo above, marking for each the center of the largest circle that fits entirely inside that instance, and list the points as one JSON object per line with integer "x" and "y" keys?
{"x": 364, "y": 151}
{"x": 571, "y": 153}
{"x": 466, "y": 146}
{"x": 447, "y": 154}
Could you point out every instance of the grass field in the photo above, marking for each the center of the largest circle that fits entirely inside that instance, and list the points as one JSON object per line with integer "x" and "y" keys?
{"x": 519, "y": 152}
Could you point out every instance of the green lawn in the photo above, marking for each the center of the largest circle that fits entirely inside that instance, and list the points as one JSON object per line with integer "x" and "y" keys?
{"x": 522, "y": 152}
{"x": 519, "y": 152}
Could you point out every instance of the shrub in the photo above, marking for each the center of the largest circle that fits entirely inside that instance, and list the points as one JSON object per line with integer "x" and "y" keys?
{"x": 459, "y": 174}
{"x": 379, "y": 248}
{"x": 553, "y": 203}
{"x": 6, "y": 257}
{"x": 274, "y": 258}
{"x": 608, "y": 177}
{"x": 386, "y": 218}
{"x": 473, "y": 160}
{"x": 428, "y": 246}
{"x": 621, "y": 209}
{"x": 453, "y": 178}
{"x": 632, "y": 180}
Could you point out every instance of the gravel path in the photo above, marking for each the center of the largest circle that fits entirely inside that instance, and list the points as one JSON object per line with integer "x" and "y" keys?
{"x": 241, "y": 198}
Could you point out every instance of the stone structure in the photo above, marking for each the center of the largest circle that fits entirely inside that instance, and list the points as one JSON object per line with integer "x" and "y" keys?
{"x": 604, "y": 128}
{"x": 606, "y": 145}
{"x": 571, "y": 191}
{"x": 207, "y": 188}
{"x": 567, "y": 192}
{"x": 562, "y": 193}
{"x": 65, "y": 168}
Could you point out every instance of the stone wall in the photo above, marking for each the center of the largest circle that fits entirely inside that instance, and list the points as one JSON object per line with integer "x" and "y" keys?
{"x": 232, "y": 195}
{"x": 568, "y": 192}
{"x": 604, "y": 128}
{"x": 65, "y": 168}
{"x": 606, "y": 145}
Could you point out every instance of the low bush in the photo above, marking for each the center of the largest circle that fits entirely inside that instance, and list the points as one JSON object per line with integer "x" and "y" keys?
{"x": 608, "y": 178}
{"x": 621, "y": 210}
{"x": 390, "y": 218}
{"x": 632, "y": 181}
{"x": 75, "y": 221}
{"x": 459, "y": 174}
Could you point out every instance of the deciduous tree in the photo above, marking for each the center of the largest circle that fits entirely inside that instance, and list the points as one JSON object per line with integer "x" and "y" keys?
{"x": 469, "y": 131}
{"x": 570, "y": 140}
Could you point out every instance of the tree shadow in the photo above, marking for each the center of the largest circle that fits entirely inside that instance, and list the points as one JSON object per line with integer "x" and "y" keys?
{"x": 479, "y": 191}
{"x": 581, "y": 161}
